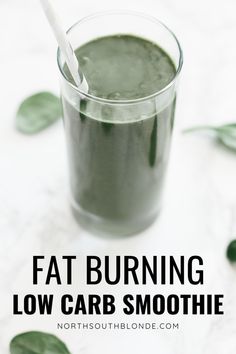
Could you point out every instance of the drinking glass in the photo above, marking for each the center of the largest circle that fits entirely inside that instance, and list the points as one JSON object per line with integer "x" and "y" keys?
{"x": 118, "y": 150}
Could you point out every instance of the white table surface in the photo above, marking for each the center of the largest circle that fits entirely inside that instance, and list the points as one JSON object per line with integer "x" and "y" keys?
{"x": 199, "y": 216}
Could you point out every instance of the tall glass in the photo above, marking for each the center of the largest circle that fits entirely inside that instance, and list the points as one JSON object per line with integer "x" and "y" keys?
{"x": 118, "y": 149}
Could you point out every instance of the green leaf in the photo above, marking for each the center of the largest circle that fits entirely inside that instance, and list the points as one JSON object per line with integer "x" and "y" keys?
{"x": 199, "y": 128}
{"x": 226, "y": 133}
{"x": 231, "y": 251}
{"x": 37, "y": 112}
{"x": 37, "y": 343}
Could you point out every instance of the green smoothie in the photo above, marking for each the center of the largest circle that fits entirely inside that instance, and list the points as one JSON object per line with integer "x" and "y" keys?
{"x": 118, "y": 160}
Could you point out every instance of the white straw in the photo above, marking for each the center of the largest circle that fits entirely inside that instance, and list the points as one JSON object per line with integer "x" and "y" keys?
{"x": 64, "y": 44}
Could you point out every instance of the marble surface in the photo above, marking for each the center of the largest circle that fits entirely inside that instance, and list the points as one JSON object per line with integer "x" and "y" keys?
{"x": 199, "y": 216}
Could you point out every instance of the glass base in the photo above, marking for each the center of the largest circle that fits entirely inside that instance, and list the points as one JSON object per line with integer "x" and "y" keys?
{"x": 109, "y": 228}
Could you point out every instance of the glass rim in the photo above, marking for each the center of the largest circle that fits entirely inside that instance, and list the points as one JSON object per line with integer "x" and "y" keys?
{"x": 123, "y": 101}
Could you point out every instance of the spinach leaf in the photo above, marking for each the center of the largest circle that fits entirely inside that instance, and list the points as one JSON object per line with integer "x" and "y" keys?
{"x": 37, "y": 343}
{"x": 37, "y": 112}
{"x": 226, "y": 133}
{"x": 231, "y": 251}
